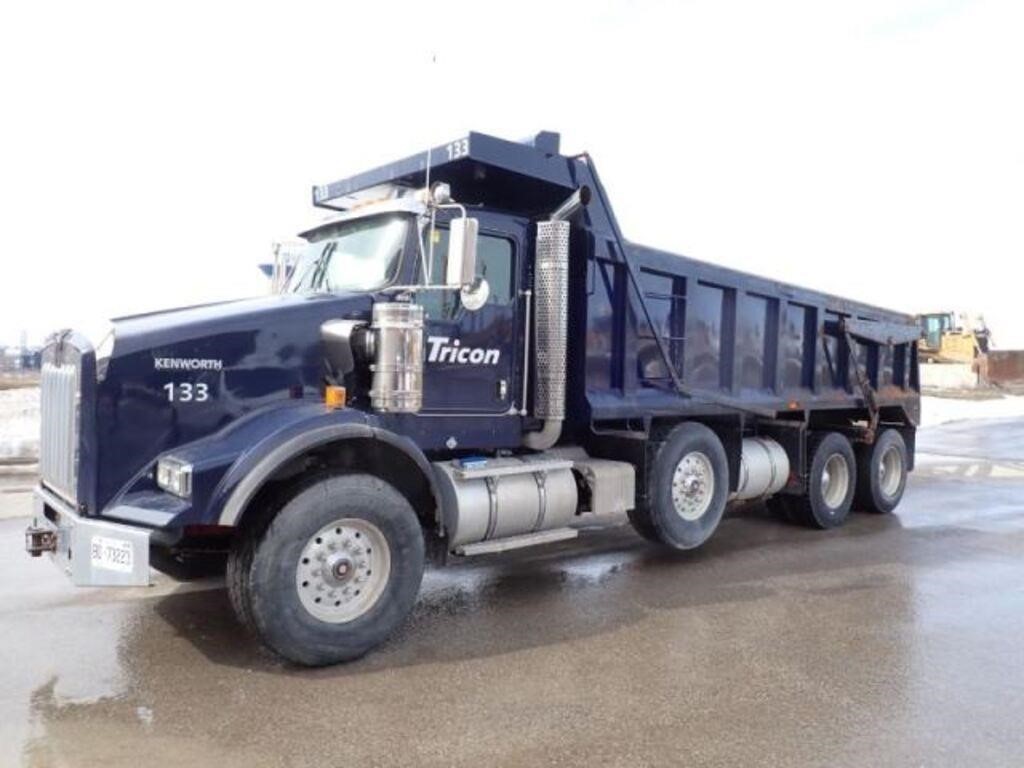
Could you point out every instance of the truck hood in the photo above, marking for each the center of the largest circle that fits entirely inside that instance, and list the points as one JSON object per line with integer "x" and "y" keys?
{"x": 178, "y": 376}
{"x": 134, "y": 333}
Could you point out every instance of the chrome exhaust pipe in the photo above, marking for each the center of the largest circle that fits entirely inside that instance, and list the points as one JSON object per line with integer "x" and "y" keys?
{"x": 551, "y": 319}
{"x": 573, "y": 204}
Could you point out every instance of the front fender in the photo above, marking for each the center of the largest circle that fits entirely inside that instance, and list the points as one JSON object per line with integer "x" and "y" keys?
{"x": 230, "y": 467}
{"x": 280, "y": 445}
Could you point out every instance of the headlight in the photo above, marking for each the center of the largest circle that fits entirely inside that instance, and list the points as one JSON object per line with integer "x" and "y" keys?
{"x": 174, "y": 476}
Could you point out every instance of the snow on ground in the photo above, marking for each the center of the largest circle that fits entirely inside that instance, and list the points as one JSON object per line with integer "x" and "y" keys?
{"x": 941, "y": 410}
{"x": 19, "y": 417}
{"x": 19, "y": 423}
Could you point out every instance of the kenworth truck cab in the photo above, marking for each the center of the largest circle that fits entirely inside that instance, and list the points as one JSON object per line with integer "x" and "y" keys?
{"x": 467, "y": 358}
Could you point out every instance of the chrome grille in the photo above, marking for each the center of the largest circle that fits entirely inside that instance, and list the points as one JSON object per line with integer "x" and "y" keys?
{"x": 60, "y": 385}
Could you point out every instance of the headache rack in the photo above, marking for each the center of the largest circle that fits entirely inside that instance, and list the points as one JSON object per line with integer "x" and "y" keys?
{"x": 529, "y": 178}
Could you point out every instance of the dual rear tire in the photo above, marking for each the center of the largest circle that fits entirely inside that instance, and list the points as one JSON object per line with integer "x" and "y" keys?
{"x": 831, "y": 484}
{"x": 687, "y": 484}
{"x": 872, "y": 479}
{"x": 883, "y": 477}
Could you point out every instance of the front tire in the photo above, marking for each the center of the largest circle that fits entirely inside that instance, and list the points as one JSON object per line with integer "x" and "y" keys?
{"x": 687, "y": 487}
{"x": 335, "y": 571}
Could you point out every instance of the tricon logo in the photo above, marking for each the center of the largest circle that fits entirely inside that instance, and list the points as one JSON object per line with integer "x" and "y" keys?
{"x": 445, "y": 350}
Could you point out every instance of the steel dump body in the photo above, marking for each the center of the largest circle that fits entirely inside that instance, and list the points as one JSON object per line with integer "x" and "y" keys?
{"x": 759, "y": 342}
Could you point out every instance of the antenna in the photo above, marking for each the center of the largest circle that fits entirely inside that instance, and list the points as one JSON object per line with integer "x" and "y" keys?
{"x": 428, "y": 261}
{"x": 427, "y": 182}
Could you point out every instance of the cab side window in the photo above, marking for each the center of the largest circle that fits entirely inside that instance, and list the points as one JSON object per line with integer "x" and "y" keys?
{"x": 494, "y": 263}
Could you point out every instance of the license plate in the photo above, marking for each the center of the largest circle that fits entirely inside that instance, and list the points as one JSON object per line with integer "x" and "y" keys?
{"x": 111, "y": 554}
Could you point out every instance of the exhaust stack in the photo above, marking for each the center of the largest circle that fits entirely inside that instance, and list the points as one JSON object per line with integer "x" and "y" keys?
{"x": 573, "y": 204}
{"x": 551, "y": 315}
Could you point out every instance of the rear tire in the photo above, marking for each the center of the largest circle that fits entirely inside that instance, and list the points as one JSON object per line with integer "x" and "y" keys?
{"x": 687, "y": 487}
{"x": 830, "y": 485}
{"x": 337, "y": 569}
{"x": 882, "y": 473}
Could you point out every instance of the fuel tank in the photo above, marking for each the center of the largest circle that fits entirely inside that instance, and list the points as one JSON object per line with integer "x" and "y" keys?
{"x": 499, "y": 498}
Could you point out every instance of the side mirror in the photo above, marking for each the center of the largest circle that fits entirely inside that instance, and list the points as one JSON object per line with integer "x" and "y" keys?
{"x": 462, "y": 237}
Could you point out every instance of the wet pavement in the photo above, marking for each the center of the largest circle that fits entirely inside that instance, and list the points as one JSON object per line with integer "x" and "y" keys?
{"x": 897, "y": 640}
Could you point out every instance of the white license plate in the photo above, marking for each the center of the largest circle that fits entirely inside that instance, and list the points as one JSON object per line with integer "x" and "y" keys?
{"x": 111, "y": 554}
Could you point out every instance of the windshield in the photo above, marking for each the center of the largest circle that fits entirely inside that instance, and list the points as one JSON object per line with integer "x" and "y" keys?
{"x": 356, "y": 255}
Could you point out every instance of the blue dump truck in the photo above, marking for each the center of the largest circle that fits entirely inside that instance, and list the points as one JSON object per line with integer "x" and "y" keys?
{"x": 467, "y": 358}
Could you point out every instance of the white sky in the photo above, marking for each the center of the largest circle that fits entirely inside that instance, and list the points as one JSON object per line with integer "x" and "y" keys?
{"x": 150, "y": 156}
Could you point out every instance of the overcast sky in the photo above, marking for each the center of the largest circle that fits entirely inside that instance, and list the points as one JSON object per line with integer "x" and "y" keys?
{"x": 150, "y": 155}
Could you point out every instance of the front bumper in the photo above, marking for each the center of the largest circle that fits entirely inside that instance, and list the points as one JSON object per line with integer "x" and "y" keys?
{"x": 92, "y": 553}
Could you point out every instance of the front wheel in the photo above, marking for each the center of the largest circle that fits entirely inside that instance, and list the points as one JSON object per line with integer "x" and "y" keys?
{"x": 335, "y": 571}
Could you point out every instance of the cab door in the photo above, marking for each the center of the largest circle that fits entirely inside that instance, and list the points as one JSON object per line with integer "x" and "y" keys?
{"x": 470, "y": 356}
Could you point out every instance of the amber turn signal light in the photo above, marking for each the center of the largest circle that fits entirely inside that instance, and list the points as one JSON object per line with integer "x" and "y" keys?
{"x": 335, "y": 397}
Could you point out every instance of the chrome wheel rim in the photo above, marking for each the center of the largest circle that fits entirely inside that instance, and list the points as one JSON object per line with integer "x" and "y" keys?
{"x": 693, "y": 486}
{"x": 890, "y": 471}
{"x": 835, "y": 480}
{"x": 342, "y": 570}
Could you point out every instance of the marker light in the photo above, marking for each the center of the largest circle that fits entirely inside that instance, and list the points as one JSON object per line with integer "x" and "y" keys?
{"x": 174, "y": 476}
{"x": 335, "y": 397}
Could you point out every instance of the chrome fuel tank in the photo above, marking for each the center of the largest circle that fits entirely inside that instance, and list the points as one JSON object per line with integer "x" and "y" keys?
{"x": 504, "y": 497}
